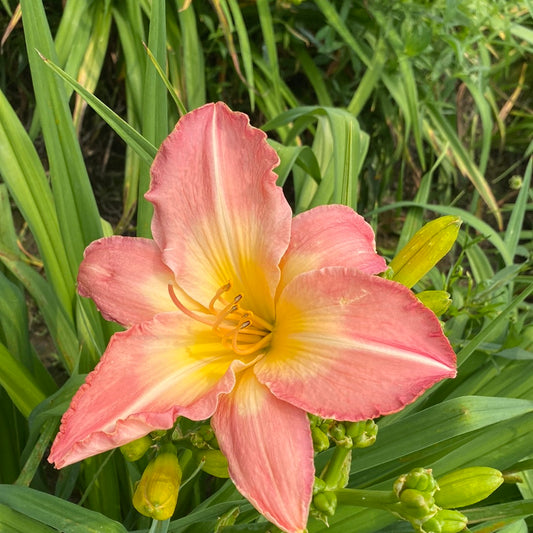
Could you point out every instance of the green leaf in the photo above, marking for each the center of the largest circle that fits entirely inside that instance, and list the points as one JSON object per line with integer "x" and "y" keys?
{"x": 435, "y": 425}
{"x": 516, "y": 220}
{"x": 77, "y": 212}
{"x": 133, "y": 138}
{"x": 64, "y": 516}
{"x": 462, "y": 159}
{"x": 26, "y": 180}
{"x": 14, "y": 522}
{"x": 19, "y": 383}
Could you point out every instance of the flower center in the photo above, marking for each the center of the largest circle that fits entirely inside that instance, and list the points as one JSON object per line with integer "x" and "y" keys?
{"x": 239, "y": 329}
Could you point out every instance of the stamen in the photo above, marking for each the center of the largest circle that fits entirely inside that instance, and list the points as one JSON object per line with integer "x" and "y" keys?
{"x": 240, "y": 330}
{"x": 250, "y": 348}
{"x": 218, "y": 294}
{"x": 230, "y": 308}
{"x": 183, "y": 309}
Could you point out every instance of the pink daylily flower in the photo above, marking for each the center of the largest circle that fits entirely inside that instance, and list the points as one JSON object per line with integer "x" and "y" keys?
{"x": 239, "y": 312}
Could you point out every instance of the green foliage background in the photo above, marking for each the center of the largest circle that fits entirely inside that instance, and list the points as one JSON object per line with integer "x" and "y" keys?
{"x": 403, "y": 110}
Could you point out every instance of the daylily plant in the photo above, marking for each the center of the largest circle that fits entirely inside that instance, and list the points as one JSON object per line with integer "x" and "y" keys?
{"x": 239, "y": 312}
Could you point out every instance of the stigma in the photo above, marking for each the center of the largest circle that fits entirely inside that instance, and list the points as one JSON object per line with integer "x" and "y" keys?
{"x": 239, "y": 329}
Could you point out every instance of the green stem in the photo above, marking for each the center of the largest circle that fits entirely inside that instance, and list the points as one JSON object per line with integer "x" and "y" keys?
{"x": 333, "y": 470}
{"x": 375, "y": 499}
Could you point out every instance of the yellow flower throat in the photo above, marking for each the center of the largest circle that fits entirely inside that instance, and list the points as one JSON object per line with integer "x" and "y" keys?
{"x": 239, "y": 329}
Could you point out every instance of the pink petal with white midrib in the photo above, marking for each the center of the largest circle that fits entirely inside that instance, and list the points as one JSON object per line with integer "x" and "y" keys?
{"x": 350, "y": 346}
{"x": 126, "y": 279}
{"x": 148, "y": 376}
{"x": 269, "y": 450}
{"x": 218, "y": 215}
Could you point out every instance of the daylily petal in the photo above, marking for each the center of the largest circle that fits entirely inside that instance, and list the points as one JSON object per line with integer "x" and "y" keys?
{"x": 218, "y": 214}
{"x": 126, "y": 278}
{"x": 350, "y": 346}
{"x": 148, "y": 375}
{"x": 269, "y": 450}
{"x": 330, "y": 235}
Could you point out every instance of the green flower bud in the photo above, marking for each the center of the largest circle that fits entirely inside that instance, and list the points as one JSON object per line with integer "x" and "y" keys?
{"x": 363, "y": 433}
{"x": 417, "y": 504}
{"x": 320, "y": 439}
{"x": 425, "y": 249}
{"x": 338, "y": 432}
{"x": 156, "y": 493}
{"x": 437, "y": 301}
{"x": 215, "y": 462}
{"x": 135, "y": 449}
{"x": 319, "y": 485}
{"x": 445, "y": 521}
{"x": 467, "y": 486}
{"x": 420, "y": 479}
{"x": 326, "y": 502}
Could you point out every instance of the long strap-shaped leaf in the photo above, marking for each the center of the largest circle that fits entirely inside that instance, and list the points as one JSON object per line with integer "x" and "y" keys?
{"x": 24, "y": 175}
{"x": 78, "y": 216}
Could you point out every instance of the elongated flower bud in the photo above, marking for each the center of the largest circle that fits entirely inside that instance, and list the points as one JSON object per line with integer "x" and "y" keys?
{"x": 437, "y": 301}
{"x": 320, "y": 439}
{"x": 134, "y": 450}
{"x": 425, "y": 249}
{"x": 215, "y": 462}
{"x": 326, "y": 502}
{"x": 467, "y": 486}
{"x": 156, "y": 494}
{"x": 445, "y": 521}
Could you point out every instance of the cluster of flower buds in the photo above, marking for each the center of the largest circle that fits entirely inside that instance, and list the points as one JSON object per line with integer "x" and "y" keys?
{"x": 156, "y": 494}
{"x": 346, "y": 434}
{"x": 430, "y": 505}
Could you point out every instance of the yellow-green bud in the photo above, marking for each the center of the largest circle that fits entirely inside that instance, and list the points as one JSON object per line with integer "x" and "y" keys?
{"x": 326, "y": 502}
{"x": 425, "y": 249}
{"x": 215, "y": 462}
{"x": 135, "y": 449}
{"x": 467, "y": 486}
{"x": 156, "y": 493}
{"x": 445, "y": 521}
{"x": 320, "y": 439}
{"x": 437, "y": 301}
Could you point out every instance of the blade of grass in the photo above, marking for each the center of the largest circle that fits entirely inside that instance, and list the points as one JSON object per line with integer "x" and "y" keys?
{"x": 246, "y": 51}
{"x": 16, "y": 522}
{"x": 93, "y": 59}
{"x": 463, "y": 159}
{"x": 19, "y": 383}
{"x": 155, "y": 112}
{"x": 516, "y": 220}
{"x": 269, "y": 39}
{"x": 60, "y": 325}
{"x": 55, "y": 512}
{"x": 131, "y": 137}
{"x": 24, "y": 175}
{"x": 193, "y": 56}
{"x": 78, "y": 216}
